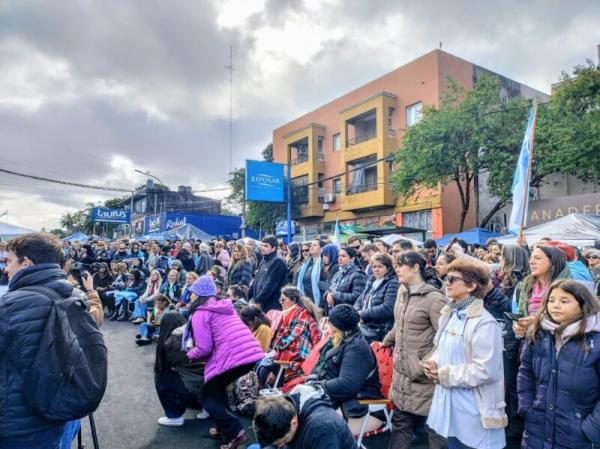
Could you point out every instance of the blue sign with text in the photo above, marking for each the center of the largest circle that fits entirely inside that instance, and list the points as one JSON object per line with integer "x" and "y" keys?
{"x": 264, "y": 181}
{"x": 103, "y": 215}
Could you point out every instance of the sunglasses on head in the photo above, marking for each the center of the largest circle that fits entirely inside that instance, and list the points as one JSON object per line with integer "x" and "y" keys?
{"x": 452, "y": 279}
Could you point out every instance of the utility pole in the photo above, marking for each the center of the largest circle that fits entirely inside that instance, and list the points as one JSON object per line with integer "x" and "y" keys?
{"x": 231, "y": 69}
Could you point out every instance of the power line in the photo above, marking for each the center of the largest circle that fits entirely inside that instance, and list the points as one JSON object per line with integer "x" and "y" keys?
{"x": 67, "y": 183}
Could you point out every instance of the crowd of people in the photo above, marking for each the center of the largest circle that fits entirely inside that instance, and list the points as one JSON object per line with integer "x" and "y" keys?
{"x": 492, "y": 345}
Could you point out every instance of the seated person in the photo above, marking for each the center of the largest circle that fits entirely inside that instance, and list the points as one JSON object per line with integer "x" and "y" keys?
{"x": 347, "y": 370}
{"x": 301, "y": 420}
{"x": 147, "y": 298}
{"x": 151, "y": 328}
{"x": 135, "y": 287}
{"x": 102, "y": 282}
{"x": 119, "y": 282}
{"x": 237, "y": 296}
{"x": 178, "y": 381}
{"x": 171, "y": 288}
{"x": 259, "y": 324}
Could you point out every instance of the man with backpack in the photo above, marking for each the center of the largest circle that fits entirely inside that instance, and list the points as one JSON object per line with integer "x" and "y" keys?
{"x": 52, "y": 355}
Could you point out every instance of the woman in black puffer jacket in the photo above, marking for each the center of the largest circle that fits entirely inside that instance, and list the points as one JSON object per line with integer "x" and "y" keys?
{"x": 375, "y": 305}
{"x": 348, "y": 283}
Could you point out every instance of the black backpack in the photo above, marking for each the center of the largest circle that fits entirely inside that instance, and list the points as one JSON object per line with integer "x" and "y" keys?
{"x": 68, "y": 376}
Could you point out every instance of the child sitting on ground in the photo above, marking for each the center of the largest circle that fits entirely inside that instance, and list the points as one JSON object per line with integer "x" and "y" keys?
{"x": 151, "y": 328}
{"x": 238, "y": 297}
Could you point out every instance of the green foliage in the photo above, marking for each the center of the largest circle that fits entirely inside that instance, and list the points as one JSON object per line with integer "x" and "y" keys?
{"x": 61, "y": 234}
{"x": 157, "y": 186}
{"x": 267, "y": 153}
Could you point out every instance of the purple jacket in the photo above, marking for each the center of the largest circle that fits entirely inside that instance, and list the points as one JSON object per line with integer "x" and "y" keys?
{"x": 222, "y": 338}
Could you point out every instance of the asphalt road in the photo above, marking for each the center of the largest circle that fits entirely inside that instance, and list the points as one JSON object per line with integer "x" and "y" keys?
{"x": 127, "y": 417}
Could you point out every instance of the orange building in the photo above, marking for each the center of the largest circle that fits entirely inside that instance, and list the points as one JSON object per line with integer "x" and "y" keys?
{"x": 342, "y": 152}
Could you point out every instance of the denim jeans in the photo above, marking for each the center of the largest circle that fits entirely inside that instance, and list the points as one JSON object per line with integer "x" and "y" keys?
{"x": 148, "y": 330}
{"x": 70, "y": 431}
{"x": 454, "y": 443}
{"x": 44, "y": 439}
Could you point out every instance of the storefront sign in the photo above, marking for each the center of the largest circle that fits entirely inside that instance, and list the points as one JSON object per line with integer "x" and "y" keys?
{"x": 264, "y": 181}
{"x": 103, "y": 215}
{"x": 543, "y": 211}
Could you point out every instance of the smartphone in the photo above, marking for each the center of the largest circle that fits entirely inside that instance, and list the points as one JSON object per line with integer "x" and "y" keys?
{"x": 514, "y": 316}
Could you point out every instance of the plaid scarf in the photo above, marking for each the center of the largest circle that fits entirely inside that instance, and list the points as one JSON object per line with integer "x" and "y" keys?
{"x": 460, "y": 306}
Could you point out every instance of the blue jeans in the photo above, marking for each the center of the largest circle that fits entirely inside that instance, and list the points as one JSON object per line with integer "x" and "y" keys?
{"x": 43, "y": 439}
{"x": 148, "y": 330}
{"x": 141, "y": 309}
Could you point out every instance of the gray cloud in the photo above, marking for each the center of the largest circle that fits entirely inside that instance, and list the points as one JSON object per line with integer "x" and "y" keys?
{"x": 92, "y": 89}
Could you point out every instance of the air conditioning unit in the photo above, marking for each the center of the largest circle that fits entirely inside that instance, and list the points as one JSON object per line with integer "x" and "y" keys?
{"x": 329, "y": 197}
{"x": 326, "y": 206}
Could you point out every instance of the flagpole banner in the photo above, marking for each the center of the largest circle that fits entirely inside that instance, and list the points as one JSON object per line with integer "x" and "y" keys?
{"x": 520, "y": 185}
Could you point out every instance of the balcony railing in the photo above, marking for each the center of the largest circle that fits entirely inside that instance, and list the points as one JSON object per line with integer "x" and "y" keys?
{"x": 320, "y": 157}
{"x": 300, "y": 159}
{"x": 371, "y": 134}
{"x": 361, "y": 189}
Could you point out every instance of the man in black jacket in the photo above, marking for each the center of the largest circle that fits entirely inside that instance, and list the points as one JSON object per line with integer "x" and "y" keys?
{"x": 33, "y": 260}
{"x": 270, "y": 276}
{"x": 302, "y": 420}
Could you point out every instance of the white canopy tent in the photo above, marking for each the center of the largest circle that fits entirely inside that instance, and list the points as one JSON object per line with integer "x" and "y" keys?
{"x": 574, "y": 229}
{"x": 9, "y": 231}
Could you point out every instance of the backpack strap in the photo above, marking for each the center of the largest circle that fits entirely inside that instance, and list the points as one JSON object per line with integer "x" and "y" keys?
{"x": 62, "y": 302}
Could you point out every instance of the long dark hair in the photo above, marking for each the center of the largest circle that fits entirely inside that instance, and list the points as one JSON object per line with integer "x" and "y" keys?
{"x": 587, "y": 302}
{"x": 254, "y": 315}
{"x": 295, "y": 295}
{"x": 169, "y": 322}
{"x": 199, "y": 301}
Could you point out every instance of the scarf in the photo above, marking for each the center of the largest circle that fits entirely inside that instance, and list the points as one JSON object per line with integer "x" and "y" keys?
{"x": 337, "y": 278}
{"x": 459, "y": 306}
{"x": 315, "y": 275}
{"x": 564, "y": 332}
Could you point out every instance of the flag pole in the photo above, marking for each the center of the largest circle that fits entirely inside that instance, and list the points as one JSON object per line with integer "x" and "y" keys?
{"x": 528, "y": 173}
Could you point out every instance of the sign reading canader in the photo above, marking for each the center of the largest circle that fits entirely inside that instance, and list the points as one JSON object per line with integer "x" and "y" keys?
{"x": 103, "y": 215}
{"x": 264, "y": 181}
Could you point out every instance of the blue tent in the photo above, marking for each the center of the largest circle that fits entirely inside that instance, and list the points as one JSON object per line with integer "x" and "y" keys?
{"x": 77, "y": 236}
{"x": 472, "y": 236}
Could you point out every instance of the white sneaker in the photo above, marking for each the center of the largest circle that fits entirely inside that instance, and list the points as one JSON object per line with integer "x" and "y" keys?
{"x": 171, "y": 422}
{"x": 202, "y": 414}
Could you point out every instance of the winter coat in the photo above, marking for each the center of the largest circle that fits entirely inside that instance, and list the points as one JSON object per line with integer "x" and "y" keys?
{"x": 416, "y": 319}
{"x": 23, "y": 317}
{"x": 205, "y": 261}
{"x": 270, "y": 277}
{"x": 559, "y": 395}
{"x": 164, "y": 290}
{"x": 222, "y": 339}
{"x": 190, "y": 371}
{"x": 581, "y": 274}
{"x": 376, "y": 308}
{"x": 350, "y": 287}
{"x": 482, "y": 370}
{"x": 351, "y": 373}
{"x": 240, "y": 273}
{"x": 319, "y": 425}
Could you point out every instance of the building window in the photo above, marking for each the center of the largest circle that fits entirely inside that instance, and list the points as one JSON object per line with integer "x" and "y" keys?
{"x": 418, "y": 220}
{"x": 140, "y": 206}
{"x": 336, "y": 142}
{"x": 362, "y": 128}
{"x": 337, "y": 186}
{"x": 320, "y": 155}
{"x": 413, "y": 113}
{"x": 321, "y": 195}
{"x": 362, "y": 175}
{"x": 300, "y": 189}
{"x": 390, "y": 125}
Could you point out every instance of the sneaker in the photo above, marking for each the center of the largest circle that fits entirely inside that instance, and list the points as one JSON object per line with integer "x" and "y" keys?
{"x": 138, "y": 321}
{"x": 202, "y": 414}
{"x": 171, "y": 422}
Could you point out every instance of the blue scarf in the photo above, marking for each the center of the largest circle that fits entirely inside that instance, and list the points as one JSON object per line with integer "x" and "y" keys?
{"x": 315, "y": 276}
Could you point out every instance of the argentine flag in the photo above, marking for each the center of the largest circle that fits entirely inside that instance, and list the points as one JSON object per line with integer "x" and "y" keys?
{"x": 520, "y": 186}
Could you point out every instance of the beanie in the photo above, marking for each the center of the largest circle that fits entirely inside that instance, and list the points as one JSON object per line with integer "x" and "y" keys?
{"x": 344, "y": 317}
{"x": 204, "y": 286}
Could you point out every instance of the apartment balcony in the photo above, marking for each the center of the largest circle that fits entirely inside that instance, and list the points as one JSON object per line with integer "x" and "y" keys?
{"x": 305, "y": 151}
{"x": 368, "y": 197}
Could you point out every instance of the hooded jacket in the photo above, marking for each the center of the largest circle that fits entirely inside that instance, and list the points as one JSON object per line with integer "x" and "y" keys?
{"x": 319, "y": 425}
{"x": 559, "y": 392}
{"x": 350, "y": 286}
{"x": 378, "y": 314}
{"x": 23, "y": 316}
{"x": 222, "y": 339}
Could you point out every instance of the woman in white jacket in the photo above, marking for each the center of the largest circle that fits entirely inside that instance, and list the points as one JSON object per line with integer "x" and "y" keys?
{"x": 466, "y": 365}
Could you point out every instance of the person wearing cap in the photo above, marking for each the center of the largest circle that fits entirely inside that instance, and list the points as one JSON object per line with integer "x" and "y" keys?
{"x": 348, "y": 369}
{"x": 216, "y": 334}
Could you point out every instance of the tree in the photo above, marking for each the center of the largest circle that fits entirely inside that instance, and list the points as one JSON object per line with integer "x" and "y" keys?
{"x": 470, "y": 132}
{"x": 61, "y": 234}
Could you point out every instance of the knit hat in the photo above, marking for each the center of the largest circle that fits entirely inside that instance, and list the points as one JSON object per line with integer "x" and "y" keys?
{"x": 204, "y": 286}
{"x": 344, "y": 317}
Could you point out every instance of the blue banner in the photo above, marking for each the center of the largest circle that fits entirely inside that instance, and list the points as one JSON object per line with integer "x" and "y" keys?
{"x": 103, "y": 215}
{"x": 264, "y": 181}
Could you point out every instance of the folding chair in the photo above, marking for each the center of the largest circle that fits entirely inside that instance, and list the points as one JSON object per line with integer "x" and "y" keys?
{"x": 385, "y": 366}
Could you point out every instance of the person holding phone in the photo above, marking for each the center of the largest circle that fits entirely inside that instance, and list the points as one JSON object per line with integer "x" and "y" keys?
{"x": 466, "y": 365}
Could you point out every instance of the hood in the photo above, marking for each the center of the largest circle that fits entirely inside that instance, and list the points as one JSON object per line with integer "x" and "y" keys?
{"x": 223, "y": 307}
{"x": 496, "y": 299}
{"x": 579, "y": 271}
{"x": 306, "y": 398}
{"x": 425, "y": 289}
{"x": 47, "y": 274}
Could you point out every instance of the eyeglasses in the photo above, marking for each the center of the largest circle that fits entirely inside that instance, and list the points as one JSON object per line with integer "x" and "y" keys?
{"x": 357, "y": 247}
{"x": 452, "y": 279}
{"x": 305, "y": 250}
{"x": 593, "y": 257}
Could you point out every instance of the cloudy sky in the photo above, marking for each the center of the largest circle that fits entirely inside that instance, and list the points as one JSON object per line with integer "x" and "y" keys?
{"x": 91, "y": 90}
